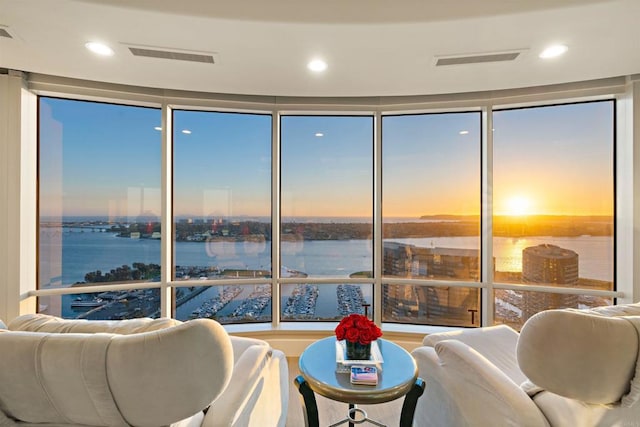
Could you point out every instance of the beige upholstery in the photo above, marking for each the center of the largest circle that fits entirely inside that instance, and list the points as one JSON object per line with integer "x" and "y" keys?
{"x": 595, "y": 366}
{"x": 113, "y": 380}
{"x": 143, "y": 372}
{"x": 566, "y": 368}
{"x": 465, "y": 386}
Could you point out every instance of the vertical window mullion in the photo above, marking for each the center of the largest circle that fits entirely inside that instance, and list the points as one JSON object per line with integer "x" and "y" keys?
{"x": 486, "y": 218}
{"x": 166, "y": 200}
{"x": 275, "y": 219}
{"x": 377, "y": 219}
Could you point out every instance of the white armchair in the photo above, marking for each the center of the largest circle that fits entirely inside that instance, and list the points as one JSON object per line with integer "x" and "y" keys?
{"x": 568, "y": 367}
{"x": 143, "y": 372}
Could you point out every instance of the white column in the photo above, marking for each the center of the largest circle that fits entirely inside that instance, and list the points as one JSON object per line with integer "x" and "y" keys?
{"x": 627, "y": 188}
{"x": 18, "y": 160}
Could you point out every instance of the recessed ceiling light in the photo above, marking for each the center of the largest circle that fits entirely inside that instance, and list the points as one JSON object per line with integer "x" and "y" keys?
{"x": 553, "y": 51}
{"x": 464, "y": 132}
{"x": 186, "y": 131}
{"x": 317, "y": 65}
{"x": 319, "y": 134}
{"x": 157, "y": 128}
{"x": 99, "y": 48}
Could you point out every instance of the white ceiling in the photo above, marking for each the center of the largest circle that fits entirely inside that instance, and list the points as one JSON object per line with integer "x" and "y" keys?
{"x": 373, "y": 47}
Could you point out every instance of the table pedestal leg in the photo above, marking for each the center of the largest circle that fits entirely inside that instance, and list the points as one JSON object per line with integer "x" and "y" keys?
{"x": 309, "y": 406}
{"x": 410, "y": 401}
{"x": 352, "y": 418}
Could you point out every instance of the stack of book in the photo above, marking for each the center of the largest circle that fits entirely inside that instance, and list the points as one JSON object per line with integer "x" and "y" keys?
{"x": 364, "y": 375}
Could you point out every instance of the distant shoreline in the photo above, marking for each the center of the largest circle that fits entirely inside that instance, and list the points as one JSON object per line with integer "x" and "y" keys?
{"x": 427, "y": 226}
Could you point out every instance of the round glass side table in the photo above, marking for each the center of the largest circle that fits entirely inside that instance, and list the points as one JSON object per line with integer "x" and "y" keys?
{"x": 398, "y": 377}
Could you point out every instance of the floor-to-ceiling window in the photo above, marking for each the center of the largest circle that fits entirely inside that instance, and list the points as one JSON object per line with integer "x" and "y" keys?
{"x": 326, "y": 215}
{"x": 99, "y": 206}
{"x": 222, "y": 214}
{"x": 318, "y": 255}
{"x": 553, "y": 205}
{"x": 431, "y": 217}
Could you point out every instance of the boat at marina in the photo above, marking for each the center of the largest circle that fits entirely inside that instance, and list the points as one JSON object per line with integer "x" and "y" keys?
{"x": 302, "y": 302}
{"x": 350, "y": 299}
{"x": 212, "y": 306}
{"x": 82, "y": 303}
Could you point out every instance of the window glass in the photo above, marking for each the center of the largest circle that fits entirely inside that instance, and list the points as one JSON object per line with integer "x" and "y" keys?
{"x": 222, "y": 214}
{"x": 431, "y": 305}
{"x": 225, "y": 303}
{"x": 431, "y": 215}
{"x": 327, "y": 208}
{"x": 325, "y": 302}
{"x": 222, "y": 195}
{"x": 327, "y": 195}
{"x": 106, "y": 305}
{"x": 98, "y": 195}
{"x": 553, "y": 204}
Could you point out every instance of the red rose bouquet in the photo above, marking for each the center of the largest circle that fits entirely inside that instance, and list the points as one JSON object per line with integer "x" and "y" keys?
{"x": 357, "y": 328}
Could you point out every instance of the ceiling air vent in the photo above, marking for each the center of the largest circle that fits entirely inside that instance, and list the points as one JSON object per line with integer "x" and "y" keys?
{"x": 478, "y": 58}
{"x": 5, "y": 33}
{"x": 172, "y": 54}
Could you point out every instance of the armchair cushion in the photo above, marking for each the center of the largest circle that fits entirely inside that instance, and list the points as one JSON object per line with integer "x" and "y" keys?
{"x": 465, "y": 386}
{"x": 148, "y": 379}
{"x": 46, "y": 323}
{"x": 564, "y": 360}
{"x": 495, "y": 343}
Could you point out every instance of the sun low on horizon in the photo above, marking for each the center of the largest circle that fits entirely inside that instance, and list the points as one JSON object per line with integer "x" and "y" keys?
{"x": 518, "y": 205}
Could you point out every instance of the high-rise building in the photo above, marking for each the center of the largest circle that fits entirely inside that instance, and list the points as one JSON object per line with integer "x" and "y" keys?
{"x": 431, "y": 304}
{"x": 553, "y": 266}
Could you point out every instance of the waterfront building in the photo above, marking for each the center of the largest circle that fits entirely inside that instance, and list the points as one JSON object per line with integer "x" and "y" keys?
{"x": 431, "y": 304}
{"x": 553, "y": 266}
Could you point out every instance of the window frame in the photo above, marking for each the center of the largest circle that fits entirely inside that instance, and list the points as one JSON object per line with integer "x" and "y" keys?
{"x": 613, "y": 89}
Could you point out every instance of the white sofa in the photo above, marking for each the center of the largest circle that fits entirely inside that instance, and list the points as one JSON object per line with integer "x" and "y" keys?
{"x": 573, "y": 368}
{"x": 139, "y": 372}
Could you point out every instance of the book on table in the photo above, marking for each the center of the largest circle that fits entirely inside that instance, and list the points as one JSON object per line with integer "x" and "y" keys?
{"x": 364, "y": 375}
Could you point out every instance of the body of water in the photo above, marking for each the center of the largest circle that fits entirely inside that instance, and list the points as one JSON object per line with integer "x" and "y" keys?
{"x": 67, "y": 254}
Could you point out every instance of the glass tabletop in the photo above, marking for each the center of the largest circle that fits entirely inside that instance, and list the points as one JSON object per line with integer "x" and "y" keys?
{"x": 318, "y": 367}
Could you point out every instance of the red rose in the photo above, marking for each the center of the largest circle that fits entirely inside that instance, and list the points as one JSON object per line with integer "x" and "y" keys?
{"x": 365, "y": 336}
{"x": 340, "y": 332}
{"x": 376, "y": 332}
{"x": 357, "y": 328}
{"x": 352, "y": 335}
{"x": 362, "y": 323}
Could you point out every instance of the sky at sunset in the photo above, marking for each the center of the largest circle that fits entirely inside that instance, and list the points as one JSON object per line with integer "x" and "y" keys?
{"x": 102, "y": 159}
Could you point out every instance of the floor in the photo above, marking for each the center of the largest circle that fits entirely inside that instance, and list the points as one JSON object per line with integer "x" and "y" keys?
{"x": 331, "y": 412}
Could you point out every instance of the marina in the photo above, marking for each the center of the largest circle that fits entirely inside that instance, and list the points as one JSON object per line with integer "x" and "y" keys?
{"x": 301, "y": 305}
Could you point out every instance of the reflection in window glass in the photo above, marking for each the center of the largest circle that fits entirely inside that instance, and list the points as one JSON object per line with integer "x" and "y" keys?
{"x": 99, "y": 195}
{"x": 324, "y": 302}
{"x": 225, "y": 304}
{"x": 222, "y": 195}
{"x": 431, "y": 212}
{"x": 431, "y": 305}
{"x": 553, "y": 204}
{"x": 327, "y": 195}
